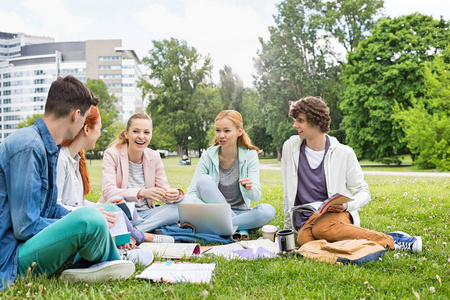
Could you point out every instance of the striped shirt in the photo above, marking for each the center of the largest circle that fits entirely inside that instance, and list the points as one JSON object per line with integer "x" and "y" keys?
{"x": 136, "y": 179}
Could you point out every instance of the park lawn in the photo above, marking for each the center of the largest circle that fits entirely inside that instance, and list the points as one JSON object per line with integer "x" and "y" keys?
{"x": 419, "y": 206}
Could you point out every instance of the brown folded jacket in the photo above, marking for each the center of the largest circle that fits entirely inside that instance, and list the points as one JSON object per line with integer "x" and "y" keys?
{"x": 342, "y": 252}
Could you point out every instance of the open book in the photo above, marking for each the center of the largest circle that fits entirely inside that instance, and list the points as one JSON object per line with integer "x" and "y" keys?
{"x": 322, "y": 206}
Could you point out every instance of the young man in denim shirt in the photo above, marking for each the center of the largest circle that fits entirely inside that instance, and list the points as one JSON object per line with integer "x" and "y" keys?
{"x": 36, "y": 232}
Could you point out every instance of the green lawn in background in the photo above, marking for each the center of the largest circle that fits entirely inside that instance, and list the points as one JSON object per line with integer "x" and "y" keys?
{"x": 417, "y": 205}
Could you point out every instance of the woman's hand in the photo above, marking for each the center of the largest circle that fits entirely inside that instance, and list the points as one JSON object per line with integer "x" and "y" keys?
{"x": 172, "y": 195}
{"x": 109, "y": 216}
{"x": 247, "y": 183}
{"x": 154, "y": 193}
{"x": 115, "y": 199}
{"x": 337, "y": 208}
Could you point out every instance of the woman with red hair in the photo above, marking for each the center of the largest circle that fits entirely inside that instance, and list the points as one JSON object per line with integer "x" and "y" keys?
{"x": 228, "y": 172}
{"x": 72, "y": 176}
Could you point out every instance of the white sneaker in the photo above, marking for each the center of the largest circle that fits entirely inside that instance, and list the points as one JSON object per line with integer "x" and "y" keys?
{"x": 158, "y": 238}
{"x": 137, "y": 256}
{"x": 108, "y": 270}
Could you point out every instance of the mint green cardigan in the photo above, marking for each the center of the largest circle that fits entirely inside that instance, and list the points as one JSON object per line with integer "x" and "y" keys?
{"x": 248, "y": 168}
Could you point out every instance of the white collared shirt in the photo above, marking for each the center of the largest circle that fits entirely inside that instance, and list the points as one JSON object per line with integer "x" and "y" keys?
{"x": 69, "y": 182}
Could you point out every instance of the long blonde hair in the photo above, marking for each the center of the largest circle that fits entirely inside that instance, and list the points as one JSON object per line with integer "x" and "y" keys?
{"x": 121, "y": 139}
{"x": 236, "y": 118}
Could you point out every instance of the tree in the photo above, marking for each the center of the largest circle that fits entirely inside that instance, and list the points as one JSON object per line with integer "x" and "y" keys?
{"x": 426, "y": 123}
{"x": 384, "y": 69}
{"x": 207, "y": 104}
{"x": 108, "y": 114}
{"x": 294, "y": 63}
{"x": 231, "y": 89}
{"x": 350, "y": 21}
{"x": 177, "y": 72}
{"x": 28, "y": 121}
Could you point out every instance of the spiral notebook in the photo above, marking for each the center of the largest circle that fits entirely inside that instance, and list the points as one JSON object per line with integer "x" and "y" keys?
{"x": 172, "y": 272}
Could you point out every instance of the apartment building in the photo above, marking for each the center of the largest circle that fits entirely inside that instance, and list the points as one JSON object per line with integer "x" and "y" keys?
{"x": 29, "y": 64}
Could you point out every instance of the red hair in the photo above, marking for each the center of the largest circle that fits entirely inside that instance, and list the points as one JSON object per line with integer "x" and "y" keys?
{"x": 235, "y": 117}
{"x": 91, "y": 120}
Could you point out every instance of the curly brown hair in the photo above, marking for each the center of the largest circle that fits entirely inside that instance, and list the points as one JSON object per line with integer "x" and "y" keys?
{"x": 316, "y": 111}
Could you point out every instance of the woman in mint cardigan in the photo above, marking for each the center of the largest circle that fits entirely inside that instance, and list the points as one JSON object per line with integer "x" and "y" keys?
{"x": 228, "y": 172}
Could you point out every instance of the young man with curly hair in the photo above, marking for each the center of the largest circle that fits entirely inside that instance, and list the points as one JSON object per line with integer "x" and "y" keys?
{"x": 315, "y": 166}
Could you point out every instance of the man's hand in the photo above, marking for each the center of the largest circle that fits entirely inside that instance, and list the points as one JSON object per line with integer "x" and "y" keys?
{"x": 109, "y": 216}
{"x": 337, "y": 208}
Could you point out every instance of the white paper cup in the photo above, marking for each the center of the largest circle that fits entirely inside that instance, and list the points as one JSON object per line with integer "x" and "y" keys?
{"x": 269, "y": 232}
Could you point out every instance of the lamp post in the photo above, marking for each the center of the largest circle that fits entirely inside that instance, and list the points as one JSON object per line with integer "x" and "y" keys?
{"x": 189, "y": 146}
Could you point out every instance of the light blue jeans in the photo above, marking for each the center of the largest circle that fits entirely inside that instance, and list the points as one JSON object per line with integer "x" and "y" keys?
{"x": 257, "y": 217}
{"x": 83, "y": 232}
{"x": 166, "y": 214}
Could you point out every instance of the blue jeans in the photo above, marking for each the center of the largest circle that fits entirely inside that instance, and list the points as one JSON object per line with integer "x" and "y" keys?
{"x": 150, "y": 219}
{"x": 84, "y": 232}
{"x": 257, "y": 217}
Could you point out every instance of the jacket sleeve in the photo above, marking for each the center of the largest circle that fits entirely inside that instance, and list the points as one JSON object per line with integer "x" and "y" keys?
{"x": 25, "y": 194}
{"x": 284, "y": 175}
{"x": 110, "y": 185}
{"x": 160, "y": 174}
{"x": 253, "y": 174}
{"x": 356, "y": 183}
{"x": 202, "y": 168}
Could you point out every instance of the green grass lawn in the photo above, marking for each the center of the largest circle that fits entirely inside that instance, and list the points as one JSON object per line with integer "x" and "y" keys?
{"x": 419, "y": 206}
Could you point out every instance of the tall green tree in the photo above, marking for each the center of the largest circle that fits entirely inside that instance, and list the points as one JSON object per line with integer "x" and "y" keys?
{"x": 426, "y": 123}
{"x": 384, "y": 69}
{"x": 231, "y": 89}
{"x": 206, "y": 105}
{"x": 177, "y": 72}
{"x": 292, "y": 64}
{"x": 350, "y": 21}
{"x": 108, "y": 114}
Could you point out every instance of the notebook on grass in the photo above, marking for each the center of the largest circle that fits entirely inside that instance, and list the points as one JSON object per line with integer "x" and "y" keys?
{"x": 207, "y": 218}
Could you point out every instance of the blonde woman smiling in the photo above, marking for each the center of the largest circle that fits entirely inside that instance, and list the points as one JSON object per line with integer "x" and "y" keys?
{"x": 228, "y": 172}
{"x": 136, "y": 173}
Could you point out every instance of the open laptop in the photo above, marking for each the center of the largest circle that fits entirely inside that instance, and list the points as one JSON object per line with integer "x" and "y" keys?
{"x": 207, "y": 218}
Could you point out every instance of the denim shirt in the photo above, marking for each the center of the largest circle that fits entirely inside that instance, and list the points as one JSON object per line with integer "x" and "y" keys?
{"x": 28, "y": 160}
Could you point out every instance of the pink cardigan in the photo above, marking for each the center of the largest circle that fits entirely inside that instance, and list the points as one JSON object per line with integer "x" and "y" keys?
{"x": 115, "y": 174}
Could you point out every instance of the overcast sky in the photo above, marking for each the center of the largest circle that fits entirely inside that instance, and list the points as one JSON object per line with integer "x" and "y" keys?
{"x": 227, "y": 30}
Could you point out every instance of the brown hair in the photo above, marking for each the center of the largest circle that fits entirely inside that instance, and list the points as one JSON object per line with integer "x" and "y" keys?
{"x": 316, "y": 111}
{"x": 67, "y": 94}
{"x": 236, "y": 118}
{"x": 121, "y": 139}
{"x": 91, "y": 120}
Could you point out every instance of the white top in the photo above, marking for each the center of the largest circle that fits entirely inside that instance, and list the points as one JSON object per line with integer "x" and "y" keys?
{"x": 69, "y": 182}
{"x": 343, "y": 175}
{"x": 314, "y": 157}
{"x": 136, "y": 179}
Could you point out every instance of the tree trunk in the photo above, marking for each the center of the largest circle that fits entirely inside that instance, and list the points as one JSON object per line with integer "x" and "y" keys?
{"x": 278, "y": 154}
{"x": 179, "y": 150}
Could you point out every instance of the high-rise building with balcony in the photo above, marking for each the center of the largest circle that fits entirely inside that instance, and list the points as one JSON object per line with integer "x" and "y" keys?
{"x": 28, "y": 66}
